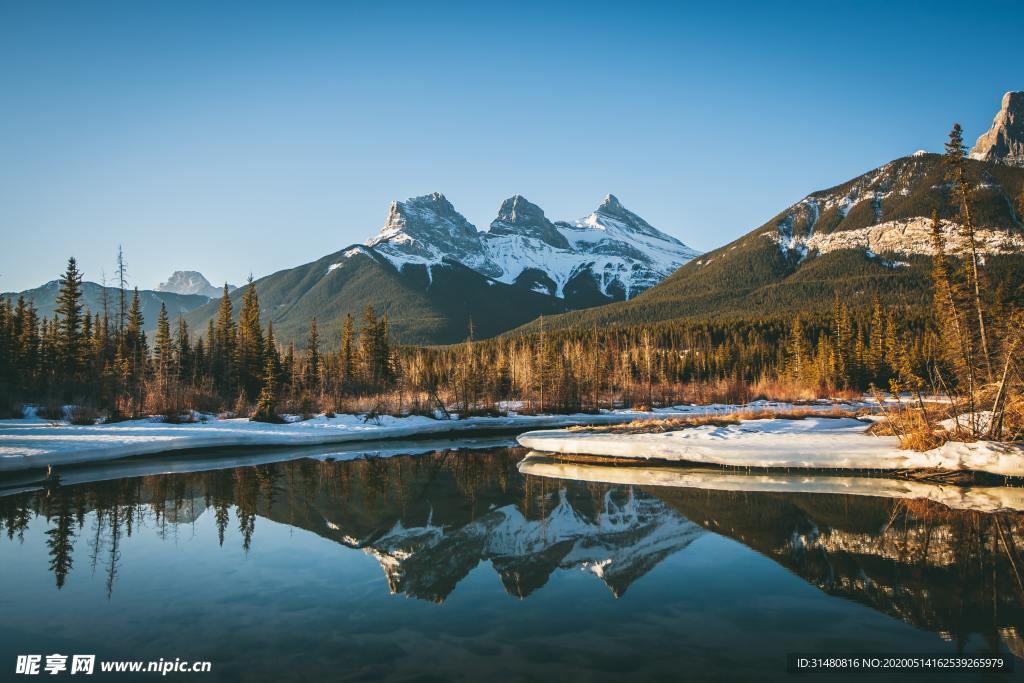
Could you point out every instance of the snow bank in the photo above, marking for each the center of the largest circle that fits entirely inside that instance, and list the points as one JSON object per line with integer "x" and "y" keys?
{"x": 814, "y": 442}
{"x": 978, "y": 498}
{"x": 32, "y": 442}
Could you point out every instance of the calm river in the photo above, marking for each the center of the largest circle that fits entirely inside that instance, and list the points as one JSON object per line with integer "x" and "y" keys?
{"x": 442, "y": 564}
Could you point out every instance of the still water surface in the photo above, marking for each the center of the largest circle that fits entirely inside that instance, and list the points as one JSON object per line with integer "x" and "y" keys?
{"x": 451, "y": 565}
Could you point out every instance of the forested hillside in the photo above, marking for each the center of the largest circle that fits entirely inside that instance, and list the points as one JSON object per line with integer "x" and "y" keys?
{"x": 866, "y": 238}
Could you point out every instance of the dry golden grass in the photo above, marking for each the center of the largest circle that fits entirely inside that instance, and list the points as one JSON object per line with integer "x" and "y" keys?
{"x": 916, "y": 430}
{"x": 718, "y": 420}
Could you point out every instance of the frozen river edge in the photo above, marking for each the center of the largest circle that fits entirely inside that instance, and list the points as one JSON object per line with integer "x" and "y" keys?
{"x": 32, "y": 442}
{"x": 810, "y": 443}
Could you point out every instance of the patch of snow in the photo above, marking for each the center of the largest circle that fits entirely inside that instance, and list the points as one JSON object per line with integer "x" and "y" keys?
{"x": 814, "y": 442}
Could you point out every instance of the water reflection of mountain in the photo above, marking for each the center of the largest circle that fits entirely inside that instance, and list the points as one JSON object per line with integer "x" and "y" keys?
{"x": 429, "y": 520}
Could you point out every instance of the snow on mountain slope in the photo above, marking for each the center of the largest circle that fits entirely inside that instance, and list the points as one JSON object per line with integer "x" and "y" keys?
{"x": 427, "y": 230}
{"x": 906, "y": 237}
{"x": 886, "y": 211}
{"x": 616, "y": 250}
{"x": 190, "y": 282}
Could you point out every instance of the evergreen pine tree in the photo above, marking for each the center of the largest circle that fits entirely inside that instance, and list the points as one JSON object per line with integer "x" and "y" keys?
{"x": 312, "y": 379}
{"x": 136, "y": 352}
{"x": 68, "y": 316}
{"x": 266, "y": 403}
{"x": 223, "y": 349}
{"x": 956, "y": 161}
{"x": 249, "y": 349}
{"x": 273, "y": 355}
{"x": 346, "y": 360}
{"x": 183, "y": 352}
{"x": 163, "y": 349}
{"x": 798, "y": 352}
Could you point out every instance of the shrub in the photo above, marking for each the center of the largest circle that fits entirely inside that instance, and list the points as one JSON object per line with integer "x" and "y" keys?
{"x": 84, "y": 414}
{"x": 51, "y": 409}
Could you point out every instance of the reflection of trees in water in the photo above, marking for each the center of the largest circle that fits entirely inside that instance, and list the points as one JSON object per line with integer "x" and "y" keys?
{"x": 60, "y": 537}
{"x": 950, "y": 571}
{"x": 955, "y": 572}
{"x": 166, "y": 502}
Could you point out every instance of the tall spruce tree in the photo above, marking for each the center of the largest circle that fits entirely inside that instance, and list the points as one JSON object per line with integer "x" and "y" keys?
{"x": 249, "y": 349}
{"x": 223, "y": 349}
{"x": 956, "y": 161}
{"x": 163, "y": 348}
{"x": 136, "y": 352}
{"x": 312, "y": 378}
{"x": 346, "y": 359}
{"x": 184, "y": 359}
{"x": 266, "y": 403}
{"x": 68, "y": 316}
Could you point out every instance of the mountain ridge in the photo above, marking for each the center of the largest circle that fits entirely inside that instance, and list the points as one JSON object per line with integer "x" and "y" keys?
{"x": 44, "y": 298}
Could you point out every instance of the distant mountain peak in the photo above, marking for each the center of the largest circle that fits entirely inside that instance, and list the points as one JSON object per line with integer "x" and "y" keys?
{"x": 1004, "y": 142}
{"x": 612, "y": 214}
{"x": 611, "y": 203}
{"x": 426, "y": 230}
{"x": 519, "y": 216}
{"x": 190, "y": 282}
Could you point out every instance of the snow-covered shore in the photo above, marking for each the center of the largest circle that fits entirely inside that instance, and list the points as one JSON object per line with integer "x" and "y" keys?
{"x": 978, "y": 498}
{"x": 811, "y": 443}
{"x": 32, "y": 442}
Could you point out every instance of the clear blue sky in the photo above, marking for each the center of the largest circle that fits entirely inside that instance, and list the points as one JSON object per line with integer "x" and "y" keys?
{"x": 231, "y": 138}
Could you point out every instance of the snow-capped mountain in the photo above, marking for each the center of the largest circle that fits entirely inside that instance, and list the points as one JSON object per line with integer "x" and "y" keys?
{"x": 427, "y": 230}
{"x": 190, "y": 282}
{"x": 611, "y": 254}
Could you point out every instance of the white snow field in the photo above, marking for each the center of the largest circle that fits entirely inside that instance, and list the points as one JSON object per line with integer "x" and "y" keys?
{"x": 977, "y": 498}
{"x": 813, "y": 442}
{"x": 32, "y": 442}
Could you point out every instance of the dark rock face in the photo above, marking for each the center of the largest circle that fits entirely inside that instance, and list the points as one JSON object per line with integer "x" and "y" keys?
{"x": 1004, "y": 141}
{"x": 517, "y": 216}
{"x": 429, "y": 228}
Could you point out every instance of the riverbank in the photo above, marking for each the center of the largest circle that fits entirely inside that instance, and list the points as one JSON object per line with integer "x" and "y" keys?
{"x": 809, "y": 443}
{"x": 33, "y": 442}
{"x": 977, "y": 498}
